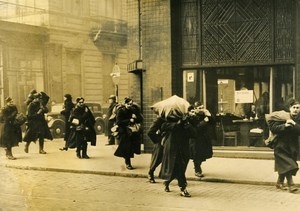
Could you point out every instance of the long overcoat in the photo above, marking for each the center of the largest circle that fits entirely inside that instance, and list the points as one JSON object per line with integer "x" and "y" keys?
{"x": 10, "y": 133}
{"x": 66, "y": 112}
{"x": 287, "y": 147}
{"x": 111, "y": 118}
{"x": 201, "y": 144}
{"x": 175, "y": 147}
{"x": 36, "y": 125}
{"x": 130, "y": 143}
{"x": 86, "y": 125}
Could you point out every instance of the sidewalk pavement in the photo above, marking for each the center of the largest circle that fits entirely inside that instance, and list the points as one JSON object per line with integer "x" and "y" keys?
{"x": 103, "y": 162}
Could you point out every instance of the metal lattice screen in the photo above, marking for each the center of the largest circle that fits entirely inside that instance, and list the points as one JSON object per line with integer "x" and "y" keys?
{"x": 226, "y": 32}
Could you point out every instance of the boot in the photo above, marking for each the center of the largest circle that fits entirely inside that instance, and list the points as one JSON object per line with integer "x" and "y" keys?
{"x": 151, "y": 176}
{"x": 84, "y": 152}
{"x": 26, "y": 149}
{"x": 184, "y": 192}
{"x": 41, "y": 147}
{"x": 9, "y": 154}
{"x": 78, "y": 152}
{"x": 280, "y": 182}
{"x": 166, "y": 184}
{"x": 291, "y": 185}
{"x": 6, "y": 152}
{"x": 128, "y": 164}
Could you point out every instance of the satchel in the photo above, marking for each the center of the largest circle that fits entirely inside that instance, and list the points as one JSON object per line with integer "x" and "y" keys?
{"x": 135, "y": 128}
{"x": 115, "y": 130}
{"x": 20, "y": 119}
{"x": 271, "y": 141}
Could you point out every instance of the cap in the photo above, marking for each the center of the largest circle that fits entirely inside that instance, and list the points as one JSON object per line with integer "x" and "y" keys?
{"x": 8, "y": 99}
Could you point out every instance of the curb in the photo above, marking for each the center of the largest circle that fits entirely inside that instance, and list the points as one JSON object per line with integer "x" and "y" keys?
{"x": 136, "y": 175}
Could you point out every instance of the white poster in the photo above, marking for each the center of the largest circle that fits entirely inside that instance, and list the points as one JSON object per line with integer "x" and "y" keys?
{"x": 244, "y": 96}
{"x": 190, "y": 77}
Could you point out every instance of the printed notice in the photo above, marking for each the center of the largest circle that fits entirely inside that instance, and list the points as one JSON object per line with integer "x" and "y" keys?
{"x": 244, "y": 96}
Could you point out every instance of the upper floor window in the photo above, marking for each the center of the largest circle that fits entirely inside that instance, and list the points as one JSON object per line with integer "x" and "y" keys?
{"x": 110, "y": 8}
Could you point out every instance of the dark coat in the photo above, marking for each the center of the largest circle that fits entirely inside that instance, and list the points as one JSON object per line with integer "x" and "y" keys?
{"x": 36, "y": 125}
{"x": 130, "y": 144}
{"x": 154, "y": 132}
{"x": 85, "y": 126}
{"x": 287, "y": 148}
{"x": 66, "y": 112}
{"x": 10, "y": 132}
{"x": 111, "y": 118}
{"x": 155, "y": 135}
{"x": 175, "y": 142}
{"x": 201, "y": 145}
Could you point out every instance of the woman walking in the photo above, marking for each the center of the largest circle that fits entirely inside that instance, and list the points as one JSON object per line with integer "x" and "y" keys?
{"x": 10, "y": 130}
{"x": 286, "y": 127}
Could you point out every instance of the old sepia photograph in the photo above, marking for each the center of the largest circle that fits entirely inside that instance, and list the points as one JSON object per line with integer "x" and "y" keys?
{"x": 149, "y": 105}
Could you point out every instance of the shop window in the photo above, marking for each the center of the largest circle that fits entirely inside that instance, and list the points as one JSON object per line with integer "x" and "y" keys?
{"x": 242, "y": 94}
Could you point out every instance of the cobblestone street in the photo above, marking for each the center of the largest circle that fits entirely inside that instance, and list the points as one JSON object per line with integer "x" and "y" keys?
{"x": 42, "y": 190}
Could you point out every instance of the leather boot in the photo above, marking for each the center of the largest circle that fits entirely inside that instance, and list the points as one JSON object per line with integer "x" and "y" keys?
{"x": 128, "y": 163}
{"x": 84, "y": 152}
{"x": 41, "y": 147}
{"x": 26, "y": 149}
{"x": 9, "y": 154}
{"x": 78, "y": 152}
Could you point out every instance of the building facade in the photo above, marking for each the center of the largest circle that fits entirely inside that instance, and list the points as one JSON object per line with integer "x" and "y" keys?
{"x": 228, "y": 54}
{"x": 60, "y": 47}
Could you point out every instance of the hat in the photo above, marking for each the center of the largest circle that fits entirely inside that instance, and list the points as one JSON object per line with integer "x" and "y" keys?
{"x": 33, "y": 91}
{"x": 79, "y": 98}
{"x": 113, "y": 97}
{"x": 292, "y": 102}
{"x": 127, "y": 99}
{"x": 68, "y": 96}
{"x": 8, "y": 99}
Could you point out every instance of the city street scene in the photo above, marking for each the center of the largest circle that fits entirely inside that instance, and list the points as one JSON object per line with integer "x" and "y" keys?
{"x": 149, "y": 105}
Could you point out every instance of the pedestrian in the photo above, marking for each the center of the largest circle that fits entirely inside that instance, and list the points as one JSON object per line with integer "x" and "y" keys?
{"x": 201, "y": 144}
{"x": 37, "y": 127}
{"x": 30, "y": 97}
{"x": 286, "y": 149}
{"x": 155, "y": 135}
{"x": 129, "y": 120}
{"x": 66, "y": 112}
{"x": 10, "y": 130}
{"x": 176, "y": 134}
{"x": 111, "y": 118}
{"x": 82, "y": 128}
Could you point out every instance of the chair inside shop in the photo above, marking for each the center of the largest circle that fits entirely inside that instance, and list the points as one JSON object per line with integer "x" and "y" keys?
{"x": 230, "y": 131}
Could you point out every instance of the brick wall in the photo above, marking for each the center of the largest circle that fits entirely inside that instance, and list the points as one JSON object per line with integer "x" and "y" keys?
{"x": 297, "y": 66}
{"x": 156, "y": 54}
